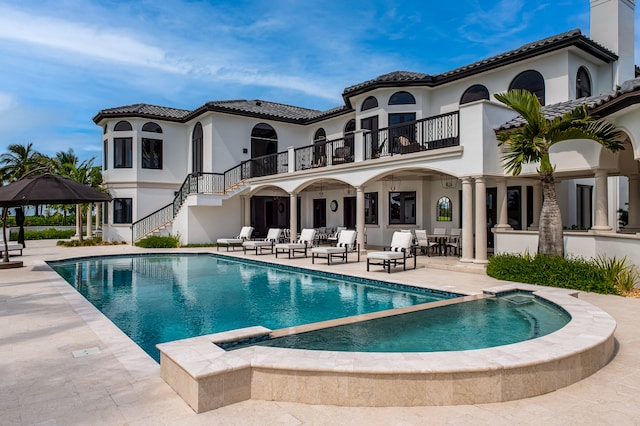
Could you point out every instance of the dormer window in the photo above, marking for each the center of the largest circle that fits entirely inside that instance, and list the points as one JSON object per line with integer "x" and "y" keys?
{"x": 532, "y": 81}
{"x": 122, "y": 126}
{"x": 369, "y": 103}
{"x": 402, "y": 98}
{"x": 474, "y": 93}
{"x": 583, "y": 83}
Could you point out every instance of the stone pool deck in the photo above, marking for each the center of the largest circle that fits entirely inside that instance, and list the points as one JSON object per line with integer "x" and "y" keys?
{"x": 61, "y": 362}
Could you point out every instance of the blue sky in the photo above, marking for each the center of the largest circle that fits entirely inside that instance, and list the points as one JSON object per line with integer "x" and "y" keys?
{"x": 65, "y": 60}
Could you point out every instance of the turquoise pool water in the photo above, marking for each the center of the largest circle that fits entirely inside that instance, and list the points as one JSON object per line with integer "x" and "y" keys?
{"x": 160, "y": 298}
{"x": 474, "y": 324}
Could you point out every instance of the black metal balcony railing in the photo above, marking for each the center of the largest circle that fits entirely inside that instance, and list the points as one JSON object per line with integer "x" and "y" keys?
{"x": 321, "y": 154}
{"x": 440, "y": 131}
{"x": 430, "y": 133}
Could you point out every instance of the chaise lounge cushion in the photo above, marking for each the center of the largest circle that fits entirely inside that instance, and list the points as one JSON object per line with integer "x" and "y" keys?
{"x": 306, "y": 240}
{"x": 273, "y": 235}
{"x": 399, "y": 251}
{"x": 245, "y": 234}
{"x": 346, "y": 243}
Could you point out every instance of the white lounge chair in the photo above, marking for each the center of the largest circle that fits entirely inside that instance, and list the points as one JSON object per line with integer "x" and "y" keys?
{"x": 346, "y": 243}
{"x": 11, "y": 245}
{"x": 245, "y": 234}
{"x": 273, "y": 236}
{"x": 398, "y": 252}
{"x": 304, "y": 242}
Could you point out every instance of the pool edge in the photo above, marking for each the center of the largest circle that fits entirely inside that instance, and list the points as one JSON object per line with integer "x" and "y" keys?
{"x": 208, "y": 377}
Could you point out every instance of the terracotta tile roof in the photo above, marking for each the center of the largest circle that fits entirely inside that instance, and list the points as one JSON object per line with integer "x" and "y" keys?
{"x": 147, "y": 110}
{"x": 594, "y": 103}
{"x": 264, "y": 108}
{"x": 399, "y": 78}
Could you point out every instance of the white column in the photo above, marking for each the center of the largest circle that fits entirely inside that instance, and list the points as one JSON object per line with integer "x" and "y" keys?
{"x": 246, "y": 210}
{"x": 503, "y": 217}
{"x": 467, "y": 220}
{"x": 602, "y": 215}
{"x": 633, "y": 220}
{"x": 537, "y": 205}
{"x": 293, "y": 213}
{"x": 78, "y": 221}
{"x": 360, "y": 216}
{"x": 89, "y": 222}
{"x": 481, "y": 221}
{"x": 98, "y": 216}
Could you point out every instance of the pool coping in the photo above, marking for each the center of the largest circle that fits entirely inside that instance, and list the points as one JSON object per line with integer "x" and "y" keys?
{"x": 207, "y": 377}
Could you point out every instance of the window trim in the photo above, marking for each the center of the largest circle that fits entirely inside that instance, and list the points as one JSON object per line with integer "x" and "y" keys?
{"x": 126, "y": 206}
{"x": 370, "y": 103}
{"x": 126, "y": 155}
{"x": 402, "y": 201}
{"x": 151, "y": 165}
{"x": 444, "y": 213}
{"x": 398, "y": 98}
{"x": 374, "y": 217}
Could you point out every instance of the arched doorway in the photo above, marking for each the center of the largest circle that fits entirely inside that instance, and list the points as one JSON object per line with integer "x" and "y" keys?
{"x": 264, "y": 141}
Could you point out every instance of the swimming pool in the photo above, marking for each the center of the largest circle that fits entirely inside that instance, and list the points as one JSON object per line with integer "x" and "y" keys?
{"x": 162, "y": 298}
{"x": 474, "y": 324}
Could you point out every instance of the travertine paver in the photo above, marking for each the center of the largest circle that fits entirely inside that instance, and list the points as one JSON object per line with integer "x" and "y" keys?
{"x": 42, "y": 323}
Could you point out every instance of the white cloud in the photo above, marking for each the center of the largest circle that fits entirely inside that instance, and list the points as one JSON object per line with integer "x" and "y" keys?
{"x": 85, "y": 40}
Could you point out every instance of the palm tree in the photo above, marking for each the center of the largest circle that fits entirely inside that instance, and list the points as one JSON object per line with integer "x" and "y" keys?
{"x": 531, "y": 142}
{"x": 20, "y": 160}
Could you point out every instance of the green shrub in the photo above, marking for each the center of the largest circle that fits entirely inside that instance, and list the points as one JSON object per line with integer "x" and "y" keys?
{"x": 621, "y": 272}
{"x": 156, "y": 241}
{"x": 45, "y": 234}
{"x": 554, "y": 271}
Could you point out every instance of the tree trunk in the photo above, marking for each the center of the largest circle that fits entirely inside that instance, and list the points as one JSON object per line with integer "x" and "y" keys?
{"x": 550, "y": 240}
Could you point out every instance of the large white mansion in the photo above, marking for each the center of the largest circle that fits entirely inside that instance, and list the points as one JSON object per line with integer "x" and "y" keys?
{"x": 406, "y": 150}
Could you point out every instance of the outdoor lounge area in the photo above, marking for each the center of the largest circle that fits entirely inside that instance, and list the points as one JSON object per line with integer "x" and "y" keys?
{"x": 111, "y": 381}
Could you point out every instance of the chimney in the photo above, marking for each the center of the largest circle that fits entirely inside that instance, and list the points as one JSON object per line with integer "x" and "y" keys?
{"x": 612, "y": 23}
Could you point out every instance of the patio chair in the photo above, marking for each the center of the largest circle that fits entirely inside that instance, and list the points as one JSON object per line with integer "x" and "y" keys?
{"x": 245, "y": 234}
{"x": 424, "y": 243}
{"x": 301, "y": 246}
{"x": 11, "y": 246}
{"x": 333, "y": 238}
{"x": 453, "y": 242}
{"x": 273, "y": 236}
{"x": 342, "y": 154}
{"x": 346, "y": 244}
{"x": 400, "y": 250}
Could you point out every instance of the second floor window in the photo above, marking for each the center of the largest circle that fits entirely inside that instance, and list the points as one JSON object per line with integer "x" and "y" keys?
{"x": 151, "y": 153}
{"x": 122, "y": 153}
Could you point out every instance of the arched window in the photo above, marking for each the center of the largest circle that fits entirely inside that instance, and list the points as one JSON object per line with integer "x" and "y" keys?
{"x": 151, "y": 127}
{"x": 474, "y": 93}
{"x": 369, "y": 103}
{"x": 320, "y": 136}
{"x": 122, "y": 126}
{"x": 444, "y": 211}
{"x": 319, "y": 151}
{"x": 264, "y": 140}
{"x": 532, "y": 81}
{"x": 196, "y": 149}
{"x": 402, "y": 98}
{"x": 350, "y": 127}
{"x": 583, "y": 83}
